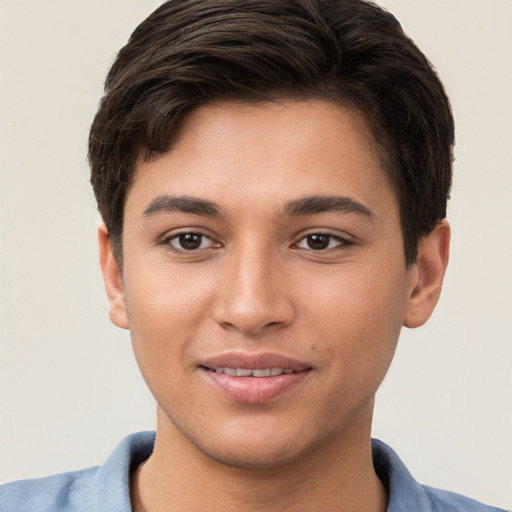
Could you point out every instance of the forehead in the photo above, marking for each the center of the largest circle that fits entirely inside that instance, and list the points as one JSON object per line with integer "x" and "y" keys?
{"x": 280, "y": 120}
{"x": 273, "y": 150}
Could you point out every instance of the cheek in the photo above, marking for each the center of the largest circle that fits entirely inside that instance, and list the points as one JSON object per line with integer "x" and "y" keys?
{"x": 163, "y": 295}
{"x": 358, "y": 317}
{"x": 361, "y": 296}
{"x": 164, "y": 311}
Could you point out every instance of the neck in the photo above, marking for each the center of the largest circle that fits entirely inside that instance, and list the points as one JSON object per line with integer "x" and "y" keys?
{"x": 336, "y": 476}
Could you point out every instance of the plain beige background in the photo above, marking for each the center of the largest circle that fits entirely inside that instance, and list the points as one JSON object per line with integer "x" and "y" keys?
{"x": 69, "y": 387}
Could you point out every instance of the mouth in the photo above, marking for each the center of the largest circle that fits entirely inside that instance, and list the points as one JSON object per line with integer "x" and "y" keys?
{"x": 253, "y": 379}
{"x": 251, "y": 372}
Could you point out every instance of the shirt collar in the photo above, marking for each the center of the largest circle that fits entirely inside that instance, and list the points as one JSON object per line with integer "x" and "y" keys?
{"x": 404, "y": 493}
{"x": 113, "y": 478}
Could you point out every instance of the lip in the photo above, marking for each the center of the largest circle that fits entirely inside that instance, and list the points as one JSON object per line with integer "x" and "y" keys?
{"x": 254, "y": 361}
{"x": 253, "y": 390}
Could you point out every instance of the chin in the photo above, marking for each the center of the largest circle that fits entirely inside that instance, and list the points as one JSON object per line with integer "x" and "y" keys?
{"x": 248, "y": 446}
{"x": 262, "y": 446}
{"x": 257, "y": 457}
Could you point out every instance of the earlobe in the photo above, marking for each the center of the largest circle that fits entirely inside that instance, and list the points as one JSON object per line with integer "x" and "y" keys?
{"x": 428, "y": 275}
{"x": 112, "y": 279}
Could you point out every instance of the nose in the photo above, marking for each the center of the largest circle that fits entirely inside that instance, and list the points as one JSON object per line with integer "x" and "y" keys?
{"x": 253, "y": 296}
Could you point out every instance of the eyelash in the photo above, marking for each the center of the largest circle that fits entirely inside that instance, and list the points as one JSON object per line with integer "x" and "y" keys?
{"x": 168, "y": 242}
{"x": 341, "y": 242}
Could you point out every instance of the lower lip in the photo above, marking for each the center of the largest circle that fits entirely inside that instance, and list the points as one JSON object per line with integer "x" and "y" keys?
{"x": 253, "y": 390}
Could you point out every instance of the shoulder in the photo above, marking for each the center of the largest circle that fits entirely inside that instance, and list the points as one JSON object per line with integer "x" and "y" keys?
{"x": 65, "y": 492}
{"x": 446, "y": 501}
{"x": 104, "y": 488}
{"x": 406, "y": 494}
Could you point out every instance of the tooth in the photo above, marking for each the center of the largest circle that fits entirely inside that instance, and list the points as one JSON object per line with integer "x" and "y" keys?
{"x": 243, "y": 372}
{"x": 247, "y": 372}
{"x": 261, "y": 373}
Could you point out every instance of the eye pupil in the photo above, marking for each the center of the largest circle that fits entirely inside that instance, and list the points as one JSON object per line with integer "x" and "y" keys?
{"x": 318, "y": 242}
{"x": 190, "y": 241}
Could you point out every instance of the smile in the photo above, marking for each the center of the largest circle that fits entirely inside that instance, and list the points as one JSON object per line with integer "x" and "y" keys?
{"x": 246, "y": 378}
{"x": 248, "y": 372}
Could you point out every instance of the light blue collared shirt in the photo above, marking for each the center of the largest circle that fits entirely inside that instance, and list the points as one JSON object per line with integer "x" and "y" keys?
{"x": 107, "y": 488}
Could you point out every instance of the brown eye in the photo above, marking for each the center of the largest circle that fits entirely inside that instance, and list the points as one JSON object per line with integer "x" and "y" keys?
{"x": 189, "y": 242}
{"x": 318, "y": 242}
{"x": 323, "y": 242}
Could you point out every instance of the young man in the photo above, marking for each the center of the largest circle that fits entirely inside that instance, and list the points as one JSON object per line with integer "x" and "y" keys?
{"x": 273, "y": 178}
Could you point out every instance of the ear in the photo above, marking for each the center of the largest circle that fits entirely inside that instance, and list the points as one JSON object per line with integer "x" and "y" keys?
{"x": 427, "y": 275}
{"x": 113, "y": 280}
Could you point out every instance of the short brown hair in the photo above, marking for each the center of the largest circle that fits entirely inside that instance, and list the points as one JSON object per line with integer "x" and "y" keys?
{"x": 190, "y": 52}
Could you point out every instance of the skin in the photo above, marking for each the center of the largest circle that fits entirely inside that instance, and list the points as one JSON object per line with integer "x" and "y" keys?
{"x": 257, "y": 283}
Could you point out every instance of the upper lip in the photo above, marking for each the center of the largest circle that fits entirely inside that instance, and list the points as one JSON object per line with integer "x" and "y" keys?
{"x": 253, "y": 361}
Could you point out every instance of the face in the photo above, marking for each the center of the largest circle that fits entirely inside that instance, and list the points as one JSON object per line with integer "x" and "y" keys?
{"x": 264, "y": 280}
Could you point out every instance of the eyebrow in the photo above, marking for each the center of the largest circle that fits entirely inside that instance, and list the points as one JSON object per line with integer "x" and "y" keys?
{"x": 183, "y": 204}
{"x": 304, "y": 206}
{"x": 322, "y": 204}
